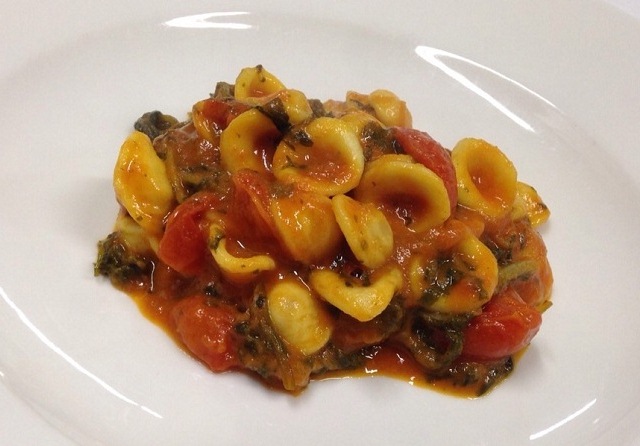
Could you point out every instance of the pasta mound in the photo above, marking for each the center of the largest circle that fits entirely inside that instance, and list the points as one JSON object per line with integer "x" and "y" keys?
{"x": 290, "y": 237}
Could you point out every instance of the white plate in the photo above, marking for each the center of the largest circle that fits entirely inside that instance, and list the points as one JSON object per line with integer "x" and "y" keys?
{"x": 80, "y": 364}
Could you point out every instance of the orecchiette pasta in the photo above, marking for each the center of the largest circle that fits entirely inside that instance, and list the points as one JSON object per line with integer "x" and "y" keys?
{"x": 325, "y": 156}
{"x": 458, "y": 281}
{"x": 256, "y": 82}
{"x": 386, "y": 106}
{"x": 203, "y": 126}
{"x": 306, "y": 225}
{"x": 134, "y": 236}
{"x": 366, "y": 230}
{"x": 358, "y": 120}
{"x": 528, "y": 203}
{"x": 298, "y": 316}
{"x": 288, "y": 104}
{"x": 405, "y": 189}
{"x": 360, "y": 302}
{"x": 486, "y": 177}
{"x": 141, "y": 184}
{"x": 291, "y": 237}
{"x": 240, "y": 269}
{"x": 248, "y": 142}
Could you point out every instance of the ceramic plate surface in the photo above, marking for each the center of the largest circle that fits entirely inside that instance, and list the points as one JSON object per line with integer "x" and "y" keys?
{"x": 551, "y": 82}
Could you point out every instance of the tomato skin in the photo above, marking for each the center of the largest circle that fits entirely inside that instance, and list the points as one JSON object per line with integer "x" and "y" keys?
{"x": 430, "y": 153}
{"x": 505, "y": 326}
{"x": 222, "y": 112}
{"x": 183, "y": 246}
{"x": 250, "y": 217}
{"x": 207, "y": 331}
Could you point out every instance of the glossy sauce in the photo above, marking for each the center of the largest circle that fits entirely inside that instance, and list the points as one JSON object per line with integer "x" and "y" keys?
{"x": 385, "y": 361}
{"x": 257, "y": 214}
{"x": 395, "y": 363}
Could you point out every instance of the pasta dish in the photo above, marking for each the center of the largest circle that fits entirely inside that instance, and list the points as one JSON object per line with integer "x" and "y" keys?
{"x": 292, "y": 238}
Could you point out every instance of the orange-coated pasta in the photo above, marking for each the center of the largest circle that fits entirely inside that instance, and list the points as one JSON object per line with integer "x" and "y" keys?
{"x": 291, "y": 237}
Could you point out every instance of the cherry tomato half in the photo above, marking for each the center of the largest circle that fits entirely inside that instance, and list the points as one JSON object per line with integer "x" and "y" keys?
{"x": 207, "y": 331}
{"x": 505, "y": 326}
{"x": 184, "y": 244}
{"x": 250, "y": 216}
{"x": 222, "y": 112}
{"x": 428, "y": 152}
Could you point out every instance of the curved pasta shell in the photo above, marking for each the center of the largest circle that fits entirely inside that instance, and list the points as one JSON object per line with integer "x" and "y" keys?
{"x": 473, "y": 277}
{"x": 385, "y": 105}
{"x": 292, "y": 103}
{"x": 528, "y": 203}
{"x": 141, "y": 183}
{"x": 407, "y": 189}
{"x": 360, "y": 302}
{"x": 296, "y": 106}
{"x": 306, "y": 226}
{"x": 329, "y": 162}
{"x": 135, "y": 237}
{"x": 366, "y": 230}
{"x": 486, "y": 177}
{"x": 358, "y": 120}
{"x": 256, "y": 82}
{"x": 238, "y": 269}
{"x": 248, "y": 142}
{"x": 203, "y": 126}
{"x": 390, "y": 109}
{"x": 298, "y": 317}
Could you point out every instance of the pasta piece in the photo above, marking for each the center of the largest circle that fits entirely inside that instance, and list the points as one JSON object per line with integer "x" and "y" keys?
{"x": 306, "y": 225}
{"x": 211, "y": 116}
{"x": 460, "y": 283}
{"x": 141, "y": 184}
{"x": 325, "y": 158}
{"x": 393, "y": 157}
{"x": 360, "y": 302}
{"x": 203, "y": 126}
{"x": 134, "y": 236}
{"x": 238, "y": 269}
{"x": 390, "y": 109}
{"x": 359, "y": 120}
{"x": 290, "y": 237}
{"x": 366, "y": 230}
{"x": 256, "y": 82}
{"x": 528, "y": 203}
{"x": 298, "y": 317}
{"x": 486, "y": 177}
{"x": 248, "y": 141}
{"x": 286, "y": 107}
{"x": 296, "y": 106}
{"x": 405, "y": 189}
{"x": 387, "y": 107}
{"x": 516, "y": 270}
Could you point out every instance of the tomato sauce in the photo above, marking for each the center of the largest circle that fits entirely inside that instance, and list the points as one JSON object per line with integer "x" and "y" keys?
{"x": 447, "y": 306}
